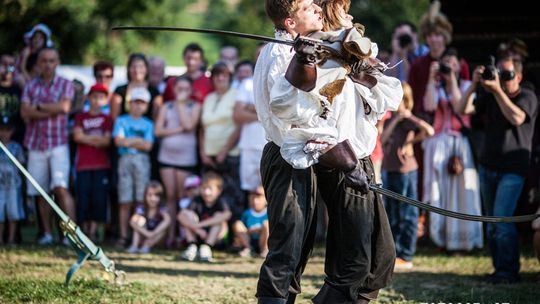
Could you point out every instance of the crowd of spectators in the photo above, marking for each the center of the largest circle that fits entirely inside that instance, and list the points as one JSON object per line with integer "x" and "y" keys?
{"x": 173, "y": 160}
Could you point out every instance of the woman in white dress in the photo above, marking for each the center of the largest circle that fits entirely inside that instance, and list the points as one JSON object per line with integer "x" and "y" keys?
{"x": 456, "y": 190}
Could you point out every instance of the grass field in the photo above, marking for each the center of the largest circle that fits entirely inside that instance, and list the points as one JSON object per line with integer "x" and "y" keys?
{"x": 32, "y": 274}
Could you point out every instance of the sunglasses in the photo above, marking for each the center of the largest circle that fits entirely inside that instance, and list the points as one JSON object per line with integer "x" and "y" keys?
{"x": 507, "y": 75}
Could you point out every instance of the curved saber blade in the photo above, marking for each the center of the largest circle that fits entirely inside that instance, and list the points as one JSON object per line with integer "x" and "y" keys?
{"x": 458, "y": 215}
{"x": 206, "y": 31}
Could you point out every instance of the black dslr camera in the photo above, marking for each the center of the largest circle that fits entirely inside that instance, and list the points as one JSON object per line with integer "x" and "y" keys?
{"x": 404, "y": 40}
{"x": 490, "y": 69}
{"x": 444, "y": 69}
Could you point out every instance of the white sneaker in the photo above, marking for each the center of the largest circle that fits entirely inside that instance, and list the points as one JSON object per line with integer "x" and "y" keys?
{"x": 190, "y": 253}
{"x": 245, "y": 253}
{"x": 205, "y": 253}
{"x": 46, "y": 239}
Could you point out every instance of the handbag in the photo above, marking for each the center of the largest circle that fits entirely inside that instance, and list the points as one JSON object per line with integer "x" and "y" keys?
{"x": 455, "y": 164}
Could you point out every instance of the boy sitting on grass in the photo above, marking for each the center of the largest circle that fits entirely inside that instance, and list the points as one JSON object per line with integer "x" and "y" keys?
{"x": 205, "y": 219}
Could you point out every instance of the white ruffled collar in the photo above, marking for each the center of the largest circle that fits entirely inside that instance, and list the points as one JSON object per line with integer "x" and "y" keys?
{"x": 282, "y": 34}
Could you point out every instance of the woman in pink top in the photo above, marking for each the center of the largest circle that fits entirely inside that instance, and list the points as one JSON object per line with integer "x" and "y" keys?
{"x": 457, "y": 192}
{"x": 176, "y": 124}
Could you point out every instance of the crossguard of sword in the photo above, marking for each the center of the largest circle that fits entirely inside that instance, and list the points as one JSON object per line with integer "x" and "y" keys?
{"x": 86, "y": 249}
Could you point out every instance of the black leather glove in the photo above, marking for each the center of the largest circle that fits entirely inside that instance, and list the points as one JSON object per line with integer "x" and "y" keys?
{"x": 357, "y": 179}
{"x": 342, "y": 157}
{"x": 306, "y": 50}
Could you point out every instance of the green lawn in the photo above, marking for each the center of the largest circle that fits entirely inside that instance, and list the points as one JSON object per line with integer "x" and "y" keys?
{"x": 34, "y": 274}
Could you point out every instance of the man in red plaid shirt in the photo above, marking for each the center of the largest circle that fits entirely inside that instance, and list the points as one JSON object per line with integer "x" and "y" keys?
{"x": 46, "y": 101}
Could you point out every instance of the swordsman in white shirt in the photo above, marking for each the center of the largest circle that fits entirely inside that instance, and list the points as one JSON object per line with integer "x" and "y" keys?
{"x": 329, "y": 143}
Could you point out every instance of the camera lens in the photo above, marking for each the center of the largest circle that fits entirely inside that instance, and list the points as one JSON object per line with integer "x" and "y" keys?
{"x": 404, "y": 40}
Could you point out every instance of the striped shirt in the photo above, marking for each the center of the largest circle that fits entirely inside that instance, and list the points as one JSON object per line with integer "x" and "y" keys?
{"x": 47, "y": 133}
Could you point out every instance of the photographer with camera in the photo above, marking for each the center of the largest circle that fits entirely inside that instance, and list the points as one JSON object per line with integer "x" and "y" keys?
{"x": 450, "y": 177}
{"x": 405, "y": 48}
{"x": 510, "y": 111}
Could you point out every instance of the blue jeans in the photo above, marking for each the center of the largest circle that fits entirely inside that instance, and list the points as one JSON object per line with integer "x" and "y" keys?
{"x": 403, "y": 217}
{"x": 500, "y": 194}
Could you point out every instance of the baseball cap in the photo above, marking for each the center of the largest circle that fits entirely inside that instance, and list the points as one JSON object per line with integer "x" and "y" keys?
{"x": 99, "y": 87}
{"x": 192, "y": 181}
{"x": 140, "y": 93}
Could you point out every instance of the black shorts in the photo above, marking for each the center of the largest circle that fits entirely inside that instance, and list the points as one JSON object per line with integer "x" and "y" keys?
{"x": 92, "y": 195}
{"x": 190, "y": 169}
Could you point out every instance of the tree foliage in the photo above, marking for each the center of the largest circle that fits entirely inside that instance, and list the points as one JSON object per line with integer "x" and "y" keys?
{"x": 81, "y": 29}
{"x": 248, "y": 16}
{"x": 380, "y": 16}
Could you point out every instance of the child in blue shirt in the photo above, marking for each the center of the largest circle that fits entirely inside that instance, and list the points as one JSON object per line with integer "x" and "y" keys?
{"x": 134, "y": 136}
{"x": 252, "y": 229}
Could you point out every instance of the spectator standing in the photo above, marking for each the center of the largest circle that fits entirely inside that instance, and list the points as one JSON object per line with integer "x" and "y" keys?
{"x": 46, "y": 102}
{"x": 510, "y": 112}
{"x": 193, "y": 56}
{"x": 378, "y": 154}
{"x": 133, "y": 135}
{"x": 205, "y": 219}
{"x": 35, "y": 39}
{"x": 137, "y": 76}
{"x": 92, "y": 133}
{"x": 457, "y": 191}
{"x": 177, "y": 157}
{"x": 103, "y": 73}
{"x": 156, "y": 73}
{"x": 219, "y": 136}
{"x": 405, "y": 48}
{"x": 252, "y": 136}
{"x": 401, "y": 175}
{"x": 437, "y": 32}
{"x": 229, "y": 55}
{"x": 10, "y": 96}
{"x": 242, "y": 71}
{"x": 252, "y": 228}
{"x": 11, "y": 199}
{"x": 150, "y": 221}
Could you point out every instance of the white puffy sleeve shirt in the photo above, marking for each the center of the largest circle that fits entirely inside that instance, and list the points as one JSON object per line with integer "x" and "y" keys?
{"x": 290, "y": 117}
